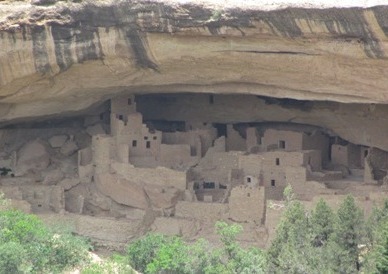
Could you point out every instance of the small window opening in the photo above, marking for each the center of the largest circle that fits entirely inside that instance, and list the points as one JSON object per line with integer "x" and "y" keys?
{"x": 282, "y": 144}
{"x": 273, "y": 182}
{"x": 39, "y": 205}
{"x": 134, "y": 143}
{"x": 277, "y": 161}
{"x": 223, "y": 186}
{"x": 249, "y": 180}
{"x": 211, "y": 99}
{"x": 121, "y": 117}
{"x": 248, "y": 194}
{"x": 129, "y": 101}
{"x": 145, "y": 138}
{"x": 193, "y": 151}
{"x": 148, "y": 144}
{"x": 209, "y": 185}
{"x": 154, "y": 138}
{"x": 196, "y": 185}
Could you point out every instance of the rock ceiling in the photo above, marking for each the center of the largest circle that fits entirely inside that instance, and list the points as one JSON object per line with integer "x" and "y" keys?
{"x": 64, "y": 58}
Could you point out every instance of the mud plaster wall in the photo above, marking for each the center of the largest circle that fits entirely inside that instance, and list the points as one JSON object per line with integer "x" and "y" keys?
{"x": 348, "y": 155}
{"x": 284, "y": 159}
{"x": 251, "y": 164}
{"x": 317, "y": 141}
{"x": 293, "y": 140}
{"x": 253, "y": 138}
{"x": 206, "y": 136}
{"x": 121, "y": 128}
{"x": 41, "y": 198}
{"x": 201, "y": 210}
{"x": 246, "y": 204}
{"x": 313, "y": 159}
{"x": 274, "y": 180}
{"x": 103, "y": 150}
{"x": 175, "y": 156}
{"x": 221, "y": 166}
{"x": 157, "y": 176}
{"x": 123, "y": 106}
{"x": 234, "y": 142}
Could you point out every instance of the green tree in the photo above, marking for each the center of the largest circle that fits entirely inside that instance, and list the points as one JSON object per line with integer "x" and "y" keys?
{"x": 322, "y": 224}
{"x": 27, "y": 245}
{"x": 288, "y": 251}
{"x": 349, "y": 234}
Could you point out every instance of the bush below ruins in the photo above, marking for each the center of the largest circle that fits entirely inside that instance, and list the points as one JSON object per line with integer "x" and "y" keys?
{"x": 28, "y": 246}
{"x": 156, "y": 253}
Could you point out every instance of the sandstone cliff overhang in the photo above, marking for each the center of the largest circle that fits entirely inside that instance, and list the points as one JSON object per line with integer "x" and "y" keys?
{"x": 65, "y": 57}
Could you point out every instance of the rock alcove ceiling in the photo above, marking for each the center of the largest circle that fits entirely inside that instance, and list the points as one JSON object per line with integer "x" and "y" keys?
{"x": 282, "y": 66}
{"x": 61, "y": 59}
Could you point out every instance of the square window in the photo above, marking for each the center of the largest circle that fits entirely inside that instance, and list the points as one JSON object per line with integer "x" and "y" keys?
{"x": 121, "y": 117}
{"x": 272, "y": 182}
{"x": 148, "y": 144}
{"x": 145, "y": 138}
{"x": 249, "y": 179}
{"x": 134, "y": 143}
{"x": 277, "y": 161}
{"x": 154, "y": 138}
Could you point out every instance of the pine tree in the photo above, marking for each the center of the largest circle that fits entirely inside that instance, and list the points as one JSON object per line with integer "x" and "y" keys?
{"x": 377, "y": 247}
{"x": 286, "y": 253}
{"x": 322, "y": 224}
{"x": 348, "y": 235}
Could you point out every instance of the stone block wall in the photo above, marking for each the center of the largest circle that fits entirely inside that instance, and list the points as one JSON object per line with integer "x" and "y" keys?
{"x": 246, "y": 204}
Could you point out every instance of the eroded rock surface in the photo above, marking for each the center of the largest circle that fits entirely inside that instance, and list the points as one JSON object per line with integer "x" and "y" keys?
{"x": 65, "y": 57}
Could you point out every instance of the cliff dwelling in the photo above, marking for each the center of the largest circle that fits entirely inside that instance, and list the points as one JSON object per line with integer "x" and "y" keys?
{"x": 123, "y": 117}
{"x": 175, "y": 163}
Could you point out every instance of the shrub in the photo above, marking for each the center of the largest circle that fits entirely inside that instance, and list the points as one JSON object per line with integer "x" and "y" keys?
{"x": 142, "y": 252}
{"x": 13, "y": 258}
{"x": 27, "y": 243}
{"x": 162, "y": 254}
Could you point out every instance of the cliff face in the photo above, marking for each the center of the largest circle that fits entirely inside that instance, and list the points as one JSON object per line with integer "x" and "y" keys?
{"x": 65, "y": 57}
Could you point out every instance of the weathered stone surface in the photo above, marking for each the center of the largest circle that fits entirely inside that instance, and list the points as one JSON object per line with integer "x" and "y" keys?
{"x": 52, "y": 177}
{"x": 57, "y": 141}
{"x": 122, "y": 191}
{"x": 69, "y": 148}
{"x": 177, "y": 227}
{"x": 69, "y": 183}
{"x": 108, "y": 231}
{"x": 95, "y": 129}
{"x": 65, "y": 57}
{"x": 163, "y": 197}
{"x": 32, "y": 156}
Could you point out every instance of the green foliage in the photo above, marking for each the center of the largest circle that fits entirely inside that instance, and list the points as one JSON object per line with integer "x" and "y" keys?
{"x": 161, "y": 254}
{"x": 322, "y": 224}
{"x": 291, "y": 242}
{"x": 13, "y": 258}
{"x": 37, "y": 248}
{"x": 117, "y": 264}
{"x": 170, "y": 257}
{"x": 310, "y": 242}
{"x": 143, "y": 251}
{"x": 349, "y": 234}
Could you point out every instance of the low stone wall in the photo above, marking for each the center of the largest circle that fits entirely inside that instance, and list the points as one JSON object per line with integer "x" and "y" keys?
{"x": 201, "y": 210}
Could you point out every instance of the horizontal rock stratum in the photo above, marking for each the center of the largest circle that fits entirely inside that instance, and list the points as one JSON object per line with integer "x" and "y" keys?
{"x": 65, "y": 57}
